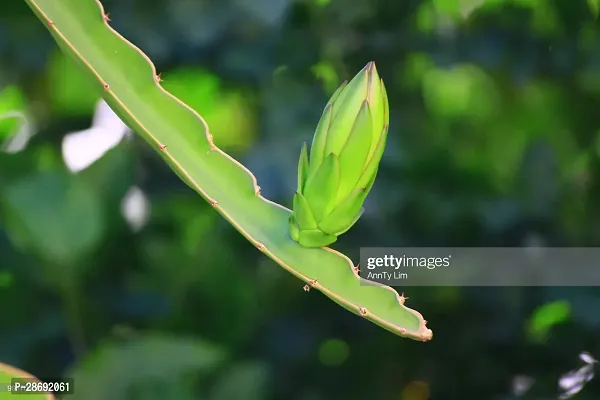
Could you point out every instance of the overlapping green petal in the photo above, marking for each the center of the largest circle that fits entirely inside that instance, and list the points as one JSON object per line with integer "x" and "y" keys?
{"x": 302, "y": 168}
{"x": 321, "y": 189}
{"x": 355, "y": 152}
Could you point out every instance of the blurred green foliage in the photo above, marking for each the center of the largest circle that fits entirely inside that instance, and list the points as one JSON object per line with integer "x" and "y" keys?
{"x": 228, "y": 113}
{"x": 494, "y": 141}
{"x": 71, "y": 94}
{"x": 546, "y": 316}
{"x": 12, "y": 102}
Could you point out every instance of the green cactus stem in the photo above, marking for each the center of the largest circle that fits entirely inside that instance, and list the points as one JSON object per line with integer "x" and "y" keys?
{"x": 8, "y": 373}
{"x": 129, "y": 84}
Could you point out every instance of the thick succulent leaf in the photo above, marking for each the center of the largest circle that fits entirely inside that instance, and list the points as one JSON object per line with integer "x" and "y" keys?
{"x": 302, "y": 213}
{"x": 128, "y": 82}
{"x": 317, "y": 149}
{"x": 7, "y": 373}
{"x": 321, "y": 189}
{"x": 355, "y": 153}
{"x": 302, "y": 168}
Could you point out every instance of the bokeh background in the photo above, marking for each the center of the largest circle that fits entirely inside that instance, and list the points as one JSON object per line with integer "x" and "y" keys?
{"x": 115, "y": 272}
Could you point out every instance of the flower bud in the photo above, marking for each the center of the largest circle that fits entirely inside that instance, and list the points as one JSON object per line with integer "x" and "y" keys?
{"x": 344, "y": 158}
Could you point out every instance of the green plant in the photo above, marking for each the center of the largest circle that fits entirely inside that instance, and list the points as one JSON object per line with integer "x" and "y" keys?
{"x": 130, "y": 85}
{"x": 7, "y": 373}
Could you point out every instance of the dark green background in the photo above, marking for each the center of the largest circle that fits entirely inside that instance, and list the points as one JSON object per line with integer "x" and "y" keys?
{"x": 495, "y": 117}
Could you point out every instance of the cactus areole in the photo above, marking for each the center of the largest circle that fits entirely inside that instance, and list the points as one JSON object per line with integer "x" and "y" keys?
{"x": 335, "y": 179}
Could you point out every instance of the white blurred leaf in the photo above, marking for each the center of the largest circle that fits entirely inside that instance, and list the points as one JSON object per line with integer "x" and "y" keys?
{"x": 587, "y": 358}
{"x": 81, "y": 149}
{"x": 573, "y": 382}
{"x": 135, "y": 208}
{"x": 521, "y": 384}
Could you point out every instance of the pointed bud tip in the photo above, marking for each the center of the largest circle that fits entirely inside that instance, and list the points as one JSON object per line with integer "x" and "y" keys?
{"x": 371, "y": 73}
{"x": 371, "y": 69}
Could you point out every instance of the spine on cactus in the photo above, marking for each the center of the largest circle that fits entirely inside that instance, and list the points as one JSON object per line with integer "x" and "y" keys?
{"x": 335, "y": 179}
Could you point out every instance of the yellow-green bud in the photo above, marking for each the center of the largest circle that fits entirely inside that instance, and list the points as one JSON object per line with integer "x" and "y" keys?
{"x": 344, "y": 157}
